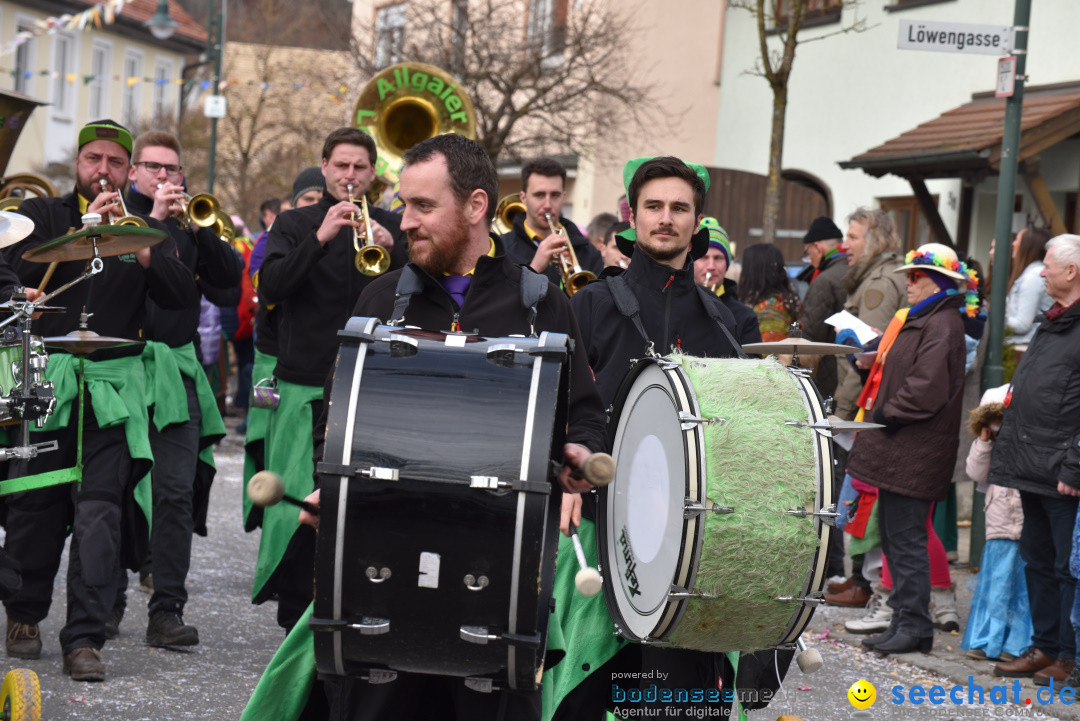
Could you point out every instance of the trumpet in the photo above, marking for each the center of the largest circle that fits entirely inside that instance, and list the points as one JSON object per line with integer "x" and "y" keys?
{"x": 200, "y": 210}
{"x": 125, "y": 218}
{"x": 371, "y": 258}
{"x": 574, "y": 277}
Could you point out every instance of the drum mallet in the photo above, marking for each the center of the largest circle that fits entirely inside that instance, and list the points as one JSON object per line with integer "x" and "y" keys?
{"x": 809, "y": 659}
{"x": 267, "y": 489}
{"x": 587, "y": 579}
{"x": 598, "y": 469}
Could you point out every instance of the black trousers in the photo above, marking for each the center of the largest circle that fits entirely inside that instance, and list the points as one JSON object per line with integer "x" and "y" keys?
{"x": 37, "y": 525}
{"x": 1045, "y": 545}
{"x": 902, "y": 523}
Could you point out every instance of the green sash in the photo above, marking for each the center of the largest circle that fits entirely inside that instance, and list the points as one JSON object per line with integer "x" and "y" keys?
{"x": 258, "y": 421}
{"x": 283, "y": 690}
{"x": 290, "y": 456}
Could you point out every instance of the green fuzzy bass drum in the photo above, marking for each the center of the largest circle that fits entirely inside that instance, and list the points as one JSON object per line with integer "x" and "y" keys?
{"x": 714, "y": 534}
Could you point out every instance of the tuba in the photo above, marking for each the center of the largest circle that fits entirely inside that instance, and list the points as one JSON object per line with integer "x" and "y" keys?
{"x": 403, "y": 105}
{"x": 371, "y": 258}
{"x": 508, "y": 208}
{"x": 574, "y": 277}
{"x": 125, "y": 217}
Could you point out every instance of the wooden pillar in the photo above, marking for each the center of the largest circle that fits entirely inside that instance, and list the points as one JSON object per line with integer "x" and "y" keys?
{"x": 1029, "y": 170}
{"x": 963, "y": 226}
{"x": 929, "y": 209}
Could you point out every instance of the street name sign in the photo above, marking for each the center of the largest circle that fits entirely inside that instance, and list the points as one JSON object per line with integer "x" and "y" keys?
{"x": 964, "y": 38}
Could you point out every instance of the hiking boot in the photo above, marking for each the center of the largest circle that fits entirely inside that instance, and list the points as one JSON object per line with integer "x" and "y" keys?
{"x": 167, "y": 628}
{"x": 854, "y": 596}
{"x": 112, "y": 624}
{"x": 1057, "y": 671}
{"x": 943, "y": 609}
{"x": 84, "y": 664}
{"x": 23, "y": 640}
{"x": 878, "y": 615}
{"x": 839, "y": 584}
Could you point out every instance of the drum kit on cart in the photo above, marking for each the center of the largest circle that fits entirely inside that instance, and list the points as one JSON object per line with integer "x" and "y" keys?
{"x": 438, "y": 525}
{"x": 27, "y": 397}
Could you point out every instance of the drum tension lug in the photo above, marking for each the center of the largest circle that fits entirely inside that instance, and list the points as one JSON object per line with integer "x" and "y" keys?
{"x": 817, "y": 597}
{"x": 827, "y": 514}
{"x": 368, "y": 626}
{"x": 689, "y": 420}
{"x": 678, "y": 593}
{"x": 691, "y": 509}
{"x": 480, "y": 684}
{"x": 380, "y": 474}
{"x": 379, "y": 675}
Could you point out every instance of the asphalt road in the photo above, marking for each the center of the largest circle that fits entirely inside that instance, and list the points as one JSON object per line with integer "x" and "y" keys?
{"x": 237, "y": 639}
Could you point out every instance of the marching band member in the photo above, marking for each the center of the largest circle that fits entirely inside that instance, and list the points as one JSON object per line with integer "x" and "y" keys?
{"x": 666, "y": 197}
{"x": 115, "y": 446}
{"x": 710, "y": 271}
{"x": 533, "y": 242}
{"x": 182, "y": 425}
{"x": 310, "y": 271}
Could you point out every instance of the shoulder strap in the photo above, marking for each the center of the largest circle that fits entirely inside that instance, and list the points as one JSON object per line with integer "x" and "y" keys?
{"x": 534, "y": 288}
{"x": 714, "y": 313}
{"x": 408, "y": 285}
{"x": 627, "y": 305}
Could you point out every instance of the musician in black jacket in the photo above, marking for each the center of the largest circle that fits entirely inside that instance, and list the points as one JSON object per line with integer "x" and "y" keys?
{"x": 533, "y": 242}
{"x": 449, "y": 191}
{"x": 310, "y": 273}
{"x": 157, "y": 191}
{"x": 115, "y": 452}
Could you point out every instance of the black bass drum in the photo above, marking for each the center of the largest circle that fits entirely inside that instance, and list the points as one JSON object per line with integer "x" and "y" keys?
{"x": 437, "y": 531}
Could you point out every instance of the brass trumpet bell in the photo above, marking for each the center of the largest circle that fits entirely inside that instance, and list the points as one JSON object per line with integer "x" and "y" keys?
{"x": 202, "y": 210}
{"x": 222, "y": 226}
{"x": 508, "y": 208}
{"x": 372, "y": 260}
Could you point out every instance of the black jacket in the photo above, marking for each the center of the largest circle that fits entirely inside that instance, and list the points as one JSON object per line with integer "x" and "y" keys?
{"x": 315, "y": 287}
{"x": 746, "y": 322}
{"x": 1039, "y": 441}
{"x": 213, "y": 261}
{"x": 671, "y": 311}
{"x": 827, "y": 295}
{"x": 521, "y": 249}
{"x": 492, "y": 308}
{"x": 117, "y": 296}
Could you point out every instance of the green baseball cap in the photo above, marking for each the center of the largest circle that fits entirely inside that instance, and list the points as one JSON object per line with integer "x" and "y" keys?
{"x": 106, "y": 130}
{"x": 699, "y": 243}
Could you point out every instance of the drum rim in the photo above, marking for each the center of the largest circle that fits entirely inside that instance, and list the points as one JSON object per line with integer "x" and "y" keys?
{"x": 682, "y": 393}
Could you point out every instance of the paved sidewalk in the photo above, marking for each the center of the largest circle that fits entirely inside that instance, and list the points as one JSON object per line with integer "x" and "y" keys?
{"x": 947, "y": 660}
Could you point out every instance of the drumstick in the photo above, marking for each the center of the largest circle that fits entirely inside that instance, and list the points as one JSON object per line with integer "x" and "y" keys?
{"x": 587, "y": 579}
{"x": 598, "y": 469}
{"x": 267, "y": 489}
{"x": 48, "y": 276}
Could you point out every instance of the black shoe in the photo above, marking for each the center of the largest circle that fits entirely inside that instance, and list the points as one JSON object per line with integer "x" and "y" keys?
{"x": 112, "y": 624}
{"x": 874, "y": 641}
{"x": 902, "y": 643}
{"x": 167, "y": 629}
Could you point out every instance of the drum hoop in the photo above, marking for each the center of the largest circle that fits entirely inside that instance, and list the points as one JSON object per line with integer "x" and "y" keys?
{"x": 369, "y": 326}
{"x": 815, "y": 577}
{"x": 684, "y": 396}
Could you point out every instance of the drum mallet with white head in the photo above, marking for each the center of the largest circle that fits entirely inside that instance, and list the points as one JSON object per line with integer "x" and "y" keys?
{"x": 267, "y": 489}
{"x": 598, "y": 469}
{"x": 587, "y": 579}
{"x": 809, "y": 659}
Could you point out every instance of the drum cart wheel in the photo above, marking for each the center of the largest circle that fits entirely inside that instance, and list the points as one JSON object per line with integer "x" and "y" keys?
{"x": 20, "y": 696}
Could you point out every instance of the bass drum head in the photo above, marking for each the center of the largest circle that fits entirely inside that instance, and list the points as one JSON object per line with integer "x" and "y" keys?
{"x": 645, "y": 543}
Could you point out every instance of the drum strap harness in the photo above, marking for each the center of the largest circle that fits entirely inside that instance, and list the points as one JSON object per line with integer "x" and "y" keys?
{"x": 627, "y": 304}
{"x": 534, "y": 288}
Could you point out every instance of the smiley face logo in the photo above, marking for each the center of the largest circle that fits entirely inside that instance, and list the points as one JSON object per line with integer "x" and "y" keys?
{"x": 862, "y": 694}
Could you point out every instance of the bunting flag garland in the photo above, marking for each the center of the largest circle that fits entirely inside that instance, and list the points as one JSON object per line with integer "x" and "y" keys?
{"x": 47, "y": 26}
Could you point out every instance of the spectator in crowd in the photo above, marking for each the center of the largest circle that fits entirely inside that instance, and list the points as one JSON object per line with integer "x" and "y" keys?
{"x": 610, "y": 252}
{"x": 598, "y": 228}
{"x": 915, "y": 389}
{"x": 1027, "y": 301}
{"x": 1037, "y": 453}
{"x": 825, "y": 297}
{"x": 999, "y": 622}
{"x": 766, "y": 288}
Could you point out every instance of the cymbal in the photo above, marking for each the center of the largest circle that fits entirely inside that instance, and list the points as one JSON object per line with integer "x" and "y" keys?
{"x": 14, "y": 227}
{"x": 7, "y": 306}
{"x": 111, "y": 240}
{"x": 84, "y": 342}
{"x": 789, "y": 346}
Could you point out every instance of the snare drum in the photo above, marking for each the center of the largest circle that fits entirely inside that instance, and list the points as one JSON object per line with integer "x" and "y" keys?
{"x": 11, "y": 371}
{"x": 710, "y": 537}
{"x": 437, "y": 530}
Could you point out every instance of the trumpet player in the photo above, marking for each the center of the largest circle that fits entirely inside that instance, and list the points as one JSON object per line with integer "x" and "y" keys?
{"x": 156, "y": 189}
{"x": 533, "y": 241}
{"x": 310, "y": 273}
{"x": 710, "y": 271}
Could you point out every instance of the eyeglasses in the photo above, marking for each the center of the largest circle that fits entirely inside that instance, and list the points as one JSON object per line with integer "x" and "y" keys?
{"x": 914, "y": 275}
{"x": 155, "y": 168}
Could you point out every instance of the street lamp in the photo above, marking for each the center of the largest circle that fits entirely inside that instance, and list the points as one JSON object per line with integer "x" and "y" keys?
{"x": 162, "y": 26}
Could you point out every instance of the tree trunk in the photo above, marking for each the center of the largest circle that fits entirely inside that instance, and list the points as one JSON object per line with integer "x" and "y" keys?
{"x": 776, "y": 155}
